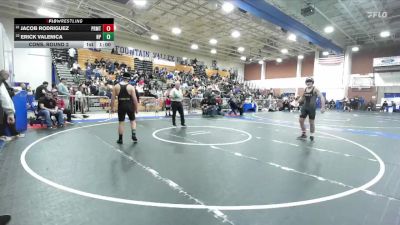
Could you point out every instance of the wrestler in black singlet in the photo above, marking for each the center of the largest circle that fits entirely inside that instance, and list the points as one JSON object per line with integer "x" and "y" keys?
{"x": 309, "y": 108}
{"x": 125, "y": 104}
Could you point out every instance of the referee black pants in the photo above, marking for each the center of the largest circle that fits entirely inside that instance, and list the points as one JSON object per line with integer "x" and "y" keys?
{"x": 177, "y": 106}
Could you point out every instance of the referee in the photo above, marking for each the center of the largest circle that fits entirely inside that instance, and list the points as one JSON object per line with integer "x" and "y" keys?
{"x": 176, "y": 103}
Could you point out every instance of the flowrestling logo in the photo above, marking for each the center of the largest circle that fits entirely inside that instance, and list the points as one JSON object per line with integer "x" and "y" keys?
{"x": 381, "y": 14}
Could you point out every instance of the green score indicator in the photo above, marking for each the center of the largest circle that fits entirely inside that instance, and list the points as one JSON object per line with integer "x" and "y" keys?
{"x": 108, "y": 36}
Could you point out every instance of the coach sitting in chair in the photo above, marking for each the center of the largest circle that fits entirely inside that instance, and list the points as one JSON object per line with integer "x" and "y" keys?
{"x": 47, "y": 108}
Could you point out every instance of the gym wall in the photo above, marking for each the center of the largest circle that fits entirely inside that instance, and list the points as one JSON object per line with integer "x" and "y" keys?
{"x": 252, "y": 71}
{"x": 285, "y": 69}
{"x": 30, "y": 65}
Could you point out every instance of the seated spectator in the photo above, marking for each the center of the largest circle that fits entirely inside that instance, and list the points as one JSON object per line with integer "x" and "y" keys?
{"x": 97, "y": 73}
{"x": 370, "y": 106}
{"x": 285, "y": 105}
{"x": 41, "y": 90}
{"x": 295, "y": 105}
{"x": 53, "y": 88}
{"x": 384, "y": 106}
{"x": 58, "y": 58}
{"x": 97, "y": 63}
{"x": 76, "y": 65}
{"x": 76, "y": 68}
{"x": 102, "y": 89}
{"x": 47, "y": 108}
{"x": 332, "y": 104}
{"x": 61, "y": 106}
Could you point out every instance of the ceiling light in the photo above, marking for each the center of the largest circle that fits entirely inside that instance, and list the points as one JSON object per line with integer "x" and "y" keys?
{"x": 194, "y": 46}
{"x": 47, "y": 13}
{"x": 240, "y": 49}
{"x": 292, "y": 37}
{"x": 243, "y": 58}
{"x": 176, "y": 30}
{"x": 279, "y": 60}
{"x": 235, "y": 34}
{"x": 154, "y": 37}
{"x": 385, "y": 34}
{"x": 325, "y": 53}
{"x": 355, "y": 49}
{"x": 261, "y": 62}
{"x": 213, "y": 41}
{"x": 300, "y": 56}
{"x": 49, "y": 1}
{"x": 140, "y": 3}
{"x": 284, "y": 51}
{"x": 184, "y": 58}
{"x": 227, "y": 7}
{"x": 328, "y": 29}
{"x": 213, "y": 51}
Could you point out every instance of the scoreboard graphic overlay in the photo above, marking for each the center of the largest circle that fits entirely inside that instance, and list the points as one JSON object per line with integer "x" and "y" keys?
{"x": 64, "y": 33}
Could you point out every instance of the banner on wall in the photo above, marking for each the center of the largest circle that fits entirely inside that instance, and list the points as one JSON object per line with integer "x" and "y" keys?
{"x": 147, "y": 54}
{"x": 387, "y": 61}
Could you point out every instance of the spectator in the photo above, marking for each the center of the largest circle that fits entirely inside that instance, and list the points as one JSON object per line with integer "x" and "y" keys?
{"x": 47, "y": 108}
{"x": 58, "y": 58}
{"x": 370, "y": 106}
{"x": 53, "y": 88}
{"x": 102, "y": 89}
{"x": 76, "y": 66}
{"x": 80, "y": 98}
{"x": 295, "y": 105}
{"x": 41, "y": 90}
{"x": 7, "y": 110}
{"x": 394, "y": 106}
{"x": 71, "y": 53}
{"x": 233, "y": 104}
{"x": 168, "y": 106}
{"x": 332, "y": 104}
{"x": 23, "y": 87}
{"x": 62, "y": 106}
{"x": 97, "y": 73}
{"x": 62, "y": 87}
{"x": 384, "y": 106}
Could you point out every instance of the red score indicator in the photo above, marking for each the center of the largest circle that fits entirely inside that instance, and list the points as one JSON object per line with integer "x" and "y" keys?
{"x": 108, "y": 27}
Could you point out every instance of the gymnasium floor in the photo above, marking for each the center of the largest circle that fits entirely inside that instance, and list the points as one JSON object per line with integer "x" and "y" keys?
{"x": 249, "y": 171}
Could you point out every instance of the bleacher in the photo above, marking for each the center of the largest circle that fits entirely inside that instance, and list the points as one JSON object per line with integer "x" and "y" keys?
{"x": 62, "y": 69}
{"x": 84, "y": 55}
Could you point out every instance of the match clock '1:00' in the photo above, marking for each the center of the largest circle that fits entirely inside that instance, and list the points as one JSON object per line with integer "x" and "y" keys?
{"x": 104, "y": 44}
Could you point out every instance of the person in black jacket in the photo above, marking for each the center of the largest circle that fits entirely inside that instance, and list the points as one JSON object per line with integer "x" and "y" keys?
{"x": 41, "y": 90}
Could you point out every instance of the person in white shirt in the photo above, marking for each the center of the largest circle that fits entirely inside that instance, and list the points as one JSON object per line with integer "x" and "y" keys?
{"x": 7, "y": 105}
{"x": 176, "y": 103}
{"x": 71, "y": 53}
{"x": 75, "y": 66}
